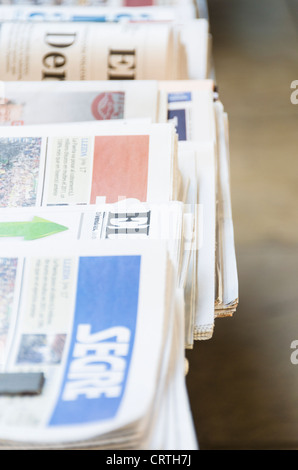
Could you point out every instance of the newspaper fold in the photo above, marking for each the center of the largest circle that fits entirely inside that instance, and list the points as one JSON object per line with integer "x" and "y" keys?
{"x": 91, "y": 340}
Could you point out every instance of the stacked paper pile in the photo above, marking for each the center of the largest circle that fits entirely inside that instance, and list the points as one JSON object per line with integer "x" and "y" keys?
{"x": 64, "y": 43}
{"x": 116, "y": 230}
{"x": 94, "y": 390}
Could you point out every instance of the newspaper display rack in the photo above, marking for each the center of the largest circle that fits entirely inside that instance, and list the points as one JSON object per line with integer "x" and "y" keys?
{"x": 116, "y": 229}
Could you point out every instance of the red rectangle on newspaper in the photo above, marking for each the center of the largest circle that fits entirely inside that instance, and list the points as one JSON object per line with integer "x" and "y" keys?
{"x": 138, "y": 3}
{"x": 120, "y": 167}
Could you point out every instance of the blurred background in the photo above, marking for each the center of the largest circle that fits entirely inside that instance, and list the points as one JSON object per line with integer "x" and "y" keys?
{"x": 242, "y": 385}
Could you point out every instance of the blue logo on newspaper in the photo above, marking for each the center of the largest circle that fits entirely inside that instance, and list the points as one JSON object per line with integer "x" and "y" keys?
{"x": 102, "y": 340}
{"x": 178, "y": 97}
{"x": 177, "y": 116}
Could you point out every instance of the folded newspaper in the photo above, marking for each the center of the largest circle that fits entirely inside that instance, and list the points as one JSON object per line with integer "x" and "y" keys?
{"x": 226, "y": 265}
{"x": 201, "y": 281}
{"x": 103, "y": 51}
{"x": 103, "y": 161}
{"x": 193, "y": 109}
{"x": 96, "y": 216}
{"x": 187, "y": 103}
{"x": 126, "y": 219}
{"x": 35, "y": 175}
{"x": 117, "y": 160}
{"x": 202, "y": 127}
{"x": 106, "y": 3}
{"x": 77, "y": 101}
{"x": 98, "y": 14}
{"x": 80, "y": 322}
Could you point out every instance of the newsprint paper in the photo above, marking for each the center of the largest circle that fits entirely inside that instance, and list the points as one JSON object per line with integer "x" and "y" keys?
{"x": 91, "y": 51}
{"x": 103, "y": 161}
{"x": 85, "y": 318}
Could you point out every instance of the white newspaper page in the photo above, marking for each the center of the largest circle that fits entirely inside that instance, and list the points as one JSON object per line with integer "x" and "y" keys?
{"x": 88, "y": 51}
{"x": 192, "y": 235}
{"x": 43, "y": 226}
{"x": 65, "y": 2}
{"x": 86, "y": 318}
{"x": 24, "y": 103}
{"x": 204, "y": 317}
{"x": 106, "y": 3}
{"x": 127, "y": 219}
{"x": 180, "y": 429}
{"x": 189, "y": 104}
{"x": 226, "y": 244}
{"x": 101, "y": 162}
{"x": 98, "y": 14}
{"x": 195, "y": 37}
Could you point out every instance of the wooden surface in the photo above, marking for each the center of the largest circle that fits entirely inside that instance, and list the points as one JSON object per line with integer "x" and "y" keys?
{"x": 242, "y": 384}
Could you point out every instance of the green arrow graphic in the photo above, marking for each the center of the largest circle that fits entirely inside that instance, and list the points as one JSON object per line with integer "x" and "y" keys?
{"x": 36, "y": 228}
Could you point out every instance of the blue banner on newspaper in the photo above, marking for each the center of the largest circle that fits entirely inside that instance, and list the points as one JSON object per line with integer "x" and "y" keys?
{"x": 102, "y": 340}
{"x": 57, "y": 16}
{"x": 178, "y": 117}
{"x": 178, "y": 97}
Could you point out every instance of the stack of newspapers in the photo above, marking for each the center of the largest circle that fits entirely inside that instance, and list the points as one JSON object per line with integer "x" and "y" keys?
{"x": 116, "y": 231}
